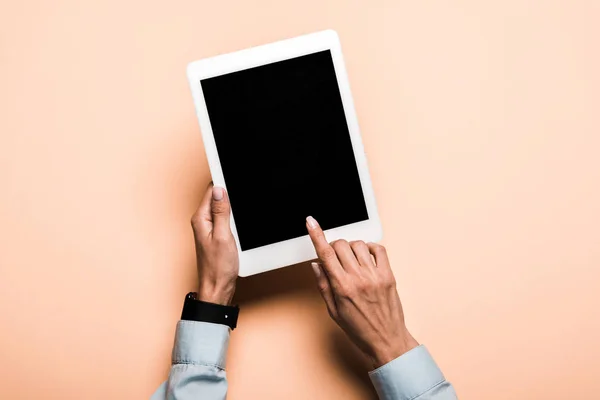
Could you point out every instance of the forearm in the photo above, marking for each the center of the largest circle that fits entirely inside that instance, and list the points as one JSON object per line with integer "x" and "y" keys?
{"x": 412, "y": 376}
{"x": 198, "y": 363}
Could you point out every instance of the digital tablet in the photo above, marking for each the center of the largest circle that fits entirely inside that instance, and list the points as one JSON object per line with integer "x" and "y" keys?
{"x": 281, "y": 136}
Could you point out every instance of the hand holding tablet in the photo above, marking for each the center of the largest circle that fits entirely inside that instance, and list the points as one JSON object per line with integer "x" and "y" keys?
{"x": 281, "y": 135}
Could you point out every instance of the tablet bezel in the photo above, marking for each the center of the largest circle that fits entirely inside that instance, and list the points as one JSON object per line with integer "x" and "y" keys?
{"x": 300, "y": 249}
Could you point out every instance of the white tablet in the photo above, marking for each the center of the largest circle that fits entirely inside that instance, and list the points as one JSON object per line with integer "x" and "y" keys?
{"x": 281, "y": 135}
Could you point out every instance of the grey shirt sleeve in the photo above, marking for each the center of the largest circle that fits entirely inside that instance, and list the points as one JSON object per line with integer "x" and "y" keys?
{"x": 412, "y": 376}
{"x": 198, "y": 363}
{"x": 198, "y": 366}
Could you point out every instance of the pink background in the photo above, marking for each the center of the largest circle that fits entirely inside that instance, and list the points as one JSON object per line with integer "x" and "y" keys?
{"x": 482, "y": 125}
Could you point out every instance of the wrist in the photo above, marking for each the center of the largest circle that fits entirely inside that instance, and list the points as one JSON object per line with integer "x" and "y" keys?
{"x": 390, "y": 351}
{"x": 216, "y": 295}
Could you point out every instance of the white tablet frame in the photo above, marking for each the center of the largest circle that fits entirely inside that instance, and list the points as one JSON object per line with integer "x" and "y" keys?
{"x": 300, "y": 249}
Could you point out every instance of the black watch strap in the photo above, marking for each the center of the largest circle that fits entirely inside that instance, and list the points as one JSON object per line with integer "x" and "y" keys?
{"x": 202, "y": 311}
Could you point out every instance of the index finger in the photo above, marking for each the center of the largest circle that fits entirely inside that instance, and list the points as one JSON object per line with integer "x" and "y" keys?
{"x": 325, "y": 252}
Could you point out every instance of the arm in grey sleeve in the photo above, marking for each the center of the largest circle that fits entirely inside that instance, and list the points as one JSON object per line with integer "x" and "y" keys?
{"x": 412, "y": 376}
{"x": 198, "y": 363}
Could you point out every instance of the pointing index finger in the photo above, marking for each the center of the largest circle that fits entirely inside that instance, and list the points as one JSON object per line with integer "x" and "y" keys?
{"x": 325, "y": 252}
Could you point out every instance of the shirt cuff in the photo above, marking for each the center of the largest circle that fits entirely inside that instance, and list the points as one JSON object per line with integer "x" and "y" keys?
{"x": 408, "y": 376}
{"x": 201, "y": 343}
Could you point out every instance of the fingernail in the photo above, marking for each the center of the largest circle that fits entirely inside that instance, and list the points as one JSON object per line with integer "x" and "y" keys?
{"x": 316, "y": 268}
{"x": 312, "y": 222}
{"x": 217, "y": 193}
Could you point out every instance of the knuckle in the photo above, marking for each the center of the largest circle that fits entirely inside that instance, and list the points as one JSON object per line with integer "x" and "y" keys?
{"x": 222, "y": 239}
{"x": 358, "y": 245}
{"x": 195, "y": 218}
{"x": 378, "y": 249}
{"x": 387, "y": 281}
{"x": 322, "y": 287}
{"x": 327, "y": 253}
{"x": 390, "y": 281}
{"x": 347, "y": 290}
{"x": 220, "y": 208}
{"x": 339, "y": 244}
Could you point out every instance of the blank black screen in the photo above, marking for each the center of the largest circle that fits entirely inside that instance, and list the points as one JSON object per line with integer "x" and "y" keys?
{"x": 284, "y": 147}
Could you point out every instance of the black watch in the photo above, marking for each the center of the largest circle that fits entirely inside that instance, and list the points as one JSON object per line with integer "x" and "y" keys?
{"x": 202, "y": 311}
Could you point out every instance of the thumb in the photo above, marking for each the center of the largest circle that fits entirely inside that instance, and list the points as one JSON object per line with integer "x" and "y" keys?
{"x": 220, "y": 210}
